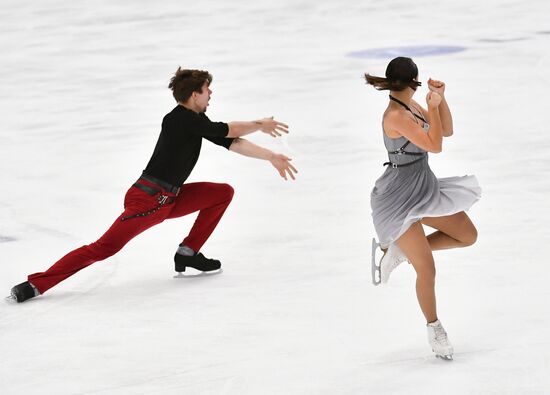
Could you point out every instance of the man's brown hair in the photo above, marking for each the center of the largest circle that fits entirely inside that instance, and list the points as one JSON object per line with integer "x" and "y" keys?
{"x": 185, "y": 82}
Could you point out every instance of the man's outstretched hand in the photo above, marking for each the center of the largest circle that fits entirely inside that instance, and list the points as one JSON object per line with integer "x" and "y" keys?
{"x": 283, "y": 166}
{"x": 272, "y": 127}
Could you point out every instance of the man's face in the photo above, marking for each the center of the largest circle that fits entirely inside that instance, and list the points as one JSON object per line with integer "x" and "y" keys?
{"x": 202, "y": 99}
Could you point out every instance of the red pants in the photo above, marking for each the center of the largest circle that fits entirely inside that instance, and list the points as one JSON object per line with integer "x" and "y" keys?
{"x": 210, "y": 198}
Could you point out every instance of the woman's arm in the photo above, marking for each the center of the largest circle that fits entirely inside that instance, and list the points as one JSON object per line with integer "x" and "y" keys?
{"x": 444, "y": 110}
{"x": 279, "y": 161}
{"x": 446, "y": 118}
{"x": 396, "y": 123}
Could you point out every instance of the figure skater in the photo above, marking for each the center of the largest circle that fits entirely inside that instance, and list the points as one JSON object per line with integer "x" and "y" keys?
{"x": 408, "y": 195}
{"x": 161, "y": 193}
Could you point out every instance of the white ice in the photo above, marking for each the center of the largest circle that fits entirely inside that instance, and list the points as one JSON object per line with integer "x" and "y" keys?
{"x": 83, "y": 90}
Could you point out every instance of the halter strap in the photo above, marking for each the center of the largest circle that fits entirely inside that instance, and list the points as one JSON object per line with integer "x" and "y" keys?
{"x": 401, "y": 151}
{"x": 407, "y": 108}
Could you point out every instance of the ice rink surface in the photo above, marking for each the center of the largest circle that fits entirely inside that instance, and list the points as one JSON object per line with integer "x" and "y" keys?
{"x": 83, "y": 91}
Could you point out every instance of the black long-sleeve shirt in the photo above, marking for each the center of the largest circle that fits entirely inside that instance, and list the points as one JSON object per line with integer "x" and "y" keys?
{"x": 179, "y": 144}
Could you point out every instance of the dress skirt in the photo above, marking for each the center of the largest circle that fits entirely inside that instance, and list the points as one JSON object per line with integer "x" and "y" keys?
{"x": 405, "y": 195}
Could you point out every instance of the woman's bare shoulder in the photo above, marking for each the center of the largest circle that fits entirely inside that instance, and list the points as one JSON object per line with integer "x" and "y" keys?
{"x": 392, "y": 118}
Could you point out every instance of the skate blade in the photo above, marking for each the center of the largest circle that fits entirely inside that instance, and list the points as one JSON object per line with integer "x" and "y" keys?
{"x": 199, "y": 274}
{"x": 444, "y": 357}
{"x": 10, "y": 299}
{"x": 375, "y": 269}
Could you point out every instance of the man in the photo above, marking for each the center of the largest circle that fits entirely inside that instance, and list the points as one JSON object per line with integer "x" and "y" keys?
{"x": 160, "y": 192}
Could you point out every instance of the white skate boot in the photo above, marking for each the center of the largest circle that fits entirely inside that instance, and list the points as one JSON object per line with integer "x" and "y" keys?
{"x": 437, "y": 337}
{"x": 391, "y": 259}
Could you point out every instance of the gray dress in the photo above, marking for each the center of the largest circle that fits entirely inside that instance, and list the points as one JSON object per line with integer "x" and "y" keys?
{"x": 404, "y": 195}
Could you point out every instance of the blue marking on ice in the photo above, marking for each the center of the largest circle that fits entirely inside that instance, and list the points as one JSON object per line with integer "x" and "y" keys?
{"x": 416, "y": 51}
{"x": 502, "y": 40}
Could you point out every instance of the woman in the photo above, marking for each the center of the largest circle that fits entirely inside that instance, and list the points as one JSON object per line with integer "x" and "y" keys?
{"x": 408, "y": 195}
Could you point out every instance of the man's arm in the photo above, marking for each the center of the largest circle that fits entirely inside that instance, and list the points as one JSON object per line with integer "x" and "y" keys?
{"x": 279, "y": 161}
{"x": 267, "y": 125}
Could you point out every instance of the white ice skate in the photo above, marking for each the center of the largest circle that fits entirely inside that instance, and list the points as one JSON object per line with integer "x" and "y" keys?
{"x": 437, "y": 337}
{"x": 389, "y": 261}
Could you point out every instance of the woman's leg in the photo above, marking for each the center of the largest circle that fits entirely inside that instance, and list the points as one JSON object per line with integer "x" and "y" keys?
{"x": 417, "y": 249}
{"x": 453, "y": 231}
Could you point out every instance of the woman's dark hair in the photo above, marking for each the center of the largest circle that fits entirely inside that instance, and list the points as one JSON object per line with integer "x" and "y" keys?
{"x": 400, "y": 74}
{"x": 185, "y": 82}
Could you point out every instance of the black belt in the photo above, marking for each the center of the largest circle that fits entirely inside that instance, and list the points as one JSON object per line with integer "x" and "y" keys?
{"x": 147, "y": 189}
{"x": 401, "y": 151}
{"x": 161, "y": 192}
{"x": 395, "y": 165}
{"x": 164, "y": 185}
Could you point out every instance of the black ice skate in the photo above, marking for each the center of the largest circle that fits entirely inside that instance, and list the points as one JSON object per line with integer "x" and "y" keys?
{"x": 22, "y": 292}
{"x": 199, "y": 262}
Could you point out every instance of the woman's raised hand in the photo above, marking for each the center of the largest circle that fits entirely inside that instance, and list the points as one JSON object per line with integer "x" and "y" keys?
{"x": 436, "y": 86}
{"x": 433, "y": 99}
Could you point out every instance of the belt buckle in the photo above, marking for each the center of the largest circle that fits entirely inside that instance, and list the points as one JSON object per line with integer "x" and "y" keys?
{"x": 394, "y": 165}
{"x": 162, "y": 199}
